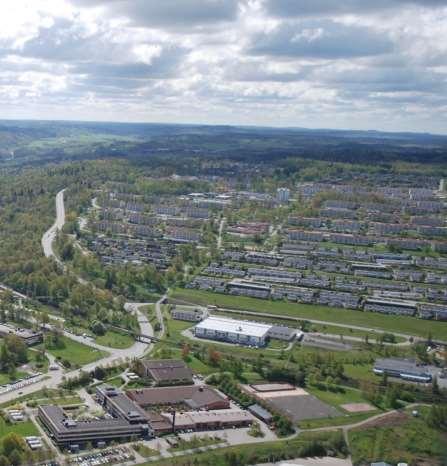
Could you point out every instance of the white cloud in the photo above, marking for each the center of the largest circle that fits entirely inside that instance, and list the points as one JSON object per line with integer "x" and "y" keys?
{"x": 339, "y": 63}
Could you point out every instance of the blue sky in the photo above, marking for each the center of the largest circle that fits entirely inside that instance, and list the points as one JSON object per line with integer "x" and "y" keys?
{"x": 357, "y": 64}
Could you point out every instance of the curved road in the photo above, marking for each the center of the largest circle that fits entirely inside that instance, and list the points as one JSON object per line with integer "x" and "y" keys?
{"x": 50, "y": 235}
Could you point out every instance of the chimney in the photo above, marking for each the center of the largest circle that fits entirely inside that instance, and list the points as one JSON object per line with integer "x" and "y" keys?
{"x": 173, "y": 422}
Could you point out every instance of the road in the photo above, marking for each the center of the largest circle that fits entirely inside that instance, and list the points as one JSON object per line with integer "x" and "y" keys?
{"x": 219, "y": 238}
{"x": 50, "y": 235}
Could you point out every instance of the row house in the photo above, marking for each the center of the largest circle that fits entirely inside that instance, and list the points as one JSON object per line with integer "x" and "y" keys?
{"x": 353, "y": 240}
{"x": 385, "y": 306}
{"x": 214, "y": 269}
{"x": 302, "y": 235}
{"x": 338, "y": 299}
{"x": 315, "y": 282}
{"x": 338, "y": 213}
{"x": 309, "y": 222}
{"x": 301, "y": 263}
{"x": 296, "y": 294}
{"x": 432, "y": 311}
{"x": 346, "y": 226}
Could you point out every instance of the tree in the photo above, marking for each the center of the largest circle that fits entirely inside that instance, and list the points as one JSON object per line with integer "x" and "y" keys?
{"x": 185, "y": 351}
{"x": 11, "y": 442}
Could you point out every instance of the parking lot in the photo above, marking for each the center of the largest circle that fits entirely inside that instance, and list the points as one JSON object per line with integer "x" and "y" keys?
{"x": 21, "y": 383}
{"x": 117, "y": 455}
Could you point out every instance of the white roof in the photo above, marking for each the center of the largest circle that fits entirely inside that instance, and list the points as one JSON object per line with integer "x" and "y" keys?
{"x": 234, "y": 326}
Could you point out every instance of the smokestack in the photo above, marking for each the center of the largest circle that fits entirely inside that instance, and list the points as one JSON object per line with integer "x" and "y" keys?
{"x": 173, "y": 422}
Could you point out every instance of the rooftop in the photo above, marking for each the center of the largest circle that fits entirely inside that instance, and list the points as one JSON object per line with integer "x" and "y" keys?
{"x": 234, "y": 326}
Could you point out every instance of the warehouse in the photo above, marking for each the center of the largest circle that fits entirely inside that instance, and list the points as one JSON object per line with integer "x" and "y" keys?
{"x": 209, "y": 420}
{"x": 406, "y": 369}
{"x": 233, "y": 331}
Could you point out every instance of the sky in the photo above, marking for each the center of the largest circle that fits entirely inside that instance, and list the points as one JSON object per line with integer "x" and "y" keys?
{"x": 352, "y": 64}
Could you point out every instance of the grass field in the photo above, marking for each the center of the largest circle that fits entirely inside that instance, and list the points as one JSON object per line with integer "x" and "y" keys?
{"x": 5, "y": 378}
{"x": 411, "y": 441}
{"x": 76, "y": 353}
{"x": 24, "y": 428}
{"x": 114, "y": 339}
{"x": 337, "y": 398}
{"x": 335, "y": 421}
{"x": 401, "y": 324}
{"x": 361, "y": 372}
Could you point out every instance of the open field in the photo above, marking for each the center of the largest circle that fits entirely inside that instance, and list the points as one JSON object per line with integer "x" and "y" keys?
{"x": 76, "y": 353}
{"x": 401, "y": 324}
{"x": 404, "y": 439}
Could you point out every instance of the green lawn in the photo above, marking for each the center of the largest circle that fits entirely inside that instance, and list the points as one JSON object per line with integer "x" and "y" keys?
{"x": 25, "y": 428}
{"x": 411, "y": 441}
{"x": 76, "y": 353}
{"x": 114, "y": 339}
{"x": 401, "y": 324}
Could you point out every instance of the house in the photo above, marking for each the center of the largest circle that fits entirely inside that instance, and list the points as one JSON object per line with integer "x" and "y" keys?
{"x": 166, "y": 371}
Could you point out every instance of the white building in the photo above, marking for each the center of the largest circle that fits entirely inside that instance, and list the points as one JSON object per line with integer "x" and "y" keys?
{"x": 442, "y": 185}
{"x": 283, "y": 194}
{"x": 233, "y": 331}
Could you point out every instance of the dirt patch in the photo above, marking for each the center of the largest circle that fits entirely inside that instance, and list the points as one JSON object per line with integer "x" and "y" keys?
{"x": 358, "y": 407}
{"x": 390, "y": 420}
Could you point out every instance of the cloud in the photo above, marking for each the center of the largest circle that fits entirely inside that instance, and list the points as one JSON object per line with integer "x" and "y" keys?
{"x": 291, "y": 8}
{"x": 318, "y": 63}
{"x": 319, "y": 39}
{"x": 168, "y": 13}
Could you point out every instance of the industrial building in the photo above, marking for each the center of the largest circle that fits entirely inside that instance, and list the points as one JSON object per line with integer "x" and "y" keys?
{"x": 406, "y": 369}
{"x": 128, "y": 422}
{"x": 233, "y": 331}
{"x": 192, "y": 397}
{"x": 209, "y": 420}
{"x": 66, "y": 432}
{"x": 165, "y": 371}
{"x": 188, "y": 315}
{"x": 28, "y": 336}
